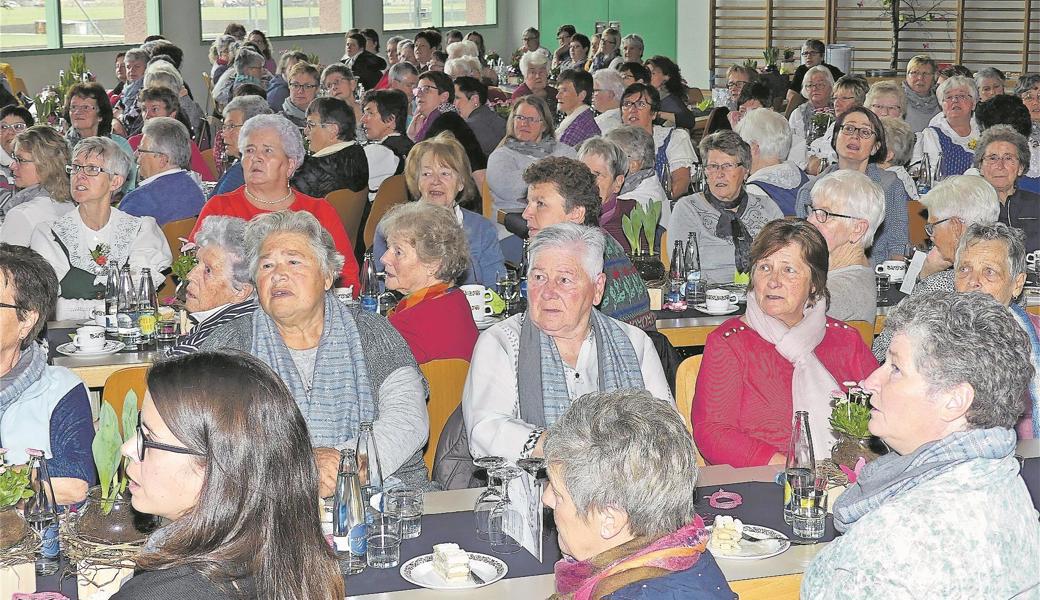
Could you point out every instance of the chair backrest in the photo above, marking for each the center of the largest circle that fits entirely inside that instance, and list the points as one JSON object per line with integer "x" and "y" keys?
{"x": 173, "y": 231}
{"x": 685, "y": 385}
{"x": 664, "y": 251}
{"x": 918, "y": 216}
{"x": 694, "y": 96}
{"x": 488, "y": 201}
{"x": 350, "y": 206}
{"x": 446, "y": 378}
{"x": 391, "y": 192}
{"x": 865, "y": 329}
{"x": 119, "y": 383}
{"x": 207, "y": 156}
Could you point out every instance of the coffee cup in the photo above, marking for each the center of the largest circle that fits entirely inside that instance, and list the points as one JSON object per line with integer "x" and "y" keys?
{"x": 719, "y": 300}
{"x": 89, "y": 337}
{"x": 482, "y": 301}
{"x": 1032, "y": 260}
{"x": 895, "y": 269}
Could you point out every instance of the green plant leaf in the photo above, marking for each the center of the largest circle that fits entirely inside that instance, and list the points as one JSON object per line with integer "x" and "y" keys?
{"x": 650, "y": 218}
{"x": 14, "y": 485}
{"x": 106, "y": 451}
{"x": 129, "y": 414}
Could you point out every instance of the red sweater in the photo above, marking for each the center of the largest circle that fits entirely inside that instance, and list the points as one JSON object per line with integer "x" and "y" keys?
{"x": 742, "y": 407}
{"x": 438, "y": 328}
{"x": 235, "y": 204}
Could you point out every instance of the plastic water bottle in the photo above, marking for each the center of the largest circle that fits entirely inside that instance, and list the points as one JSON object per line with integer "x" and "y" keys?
{"x": 349, "y": 528}
{"x": 369, "y": 284}
{"x": 692, "y": 263}
{"x": 129, "y": 329}
{"x": 112, "y": 301}
{"x": 147, "y": 306}
{"x": 800, "y": 470}
{"x": 41, "y": 512}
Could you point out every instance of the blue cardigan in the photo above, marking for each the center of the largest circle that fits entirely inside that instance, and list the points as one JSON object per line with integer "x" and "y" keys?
{"x": 168, "y": 198}
{"x": 231, "y": 180}
{"x": 703, "y": 580}
{"x": 485, "y": 253}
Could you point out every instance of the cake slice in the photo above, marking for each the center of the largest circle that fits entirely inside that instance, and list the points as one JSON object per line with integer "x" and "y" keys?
{"x": 451, "y": 563}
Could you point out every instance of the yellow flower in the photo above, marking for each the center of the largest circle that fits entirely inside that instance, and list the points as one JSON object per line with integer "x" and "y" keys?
{"x": 972, "y": 143}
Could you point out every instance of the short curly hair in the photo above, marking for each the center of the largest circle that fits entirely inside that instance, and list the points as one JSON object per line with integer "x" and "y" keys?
{"x": 573, "y": 180}
{"x": 435, "y": 234}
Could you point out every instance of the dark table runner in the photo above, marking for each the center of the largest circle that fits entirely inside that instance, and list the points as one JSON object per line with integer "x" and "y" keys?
{"x": 693, "y": 313}
{"x": 763, "y": 505}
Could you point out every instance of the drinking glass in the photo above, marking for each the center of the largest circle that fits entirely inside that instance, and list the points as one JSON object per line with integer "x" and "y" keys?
{"x": 505, "y": 516}
{"x": 810, "y": 510}
{"x": 490, "y": 496}
{"x": 383, "y": 541}
{"x": 531, "y": 465}
{"x": 508, "y": 289}
{"x": 407, "y": 504}
{"x": 883, "y": 286}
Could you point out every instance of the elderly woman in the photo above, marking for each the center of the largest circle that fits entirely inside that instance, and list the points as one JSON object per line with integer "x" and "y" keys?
{"x": 528, "y": 369}
{"x": 14, "y": 119}
{"x": 40, "y": 155}
{"x": 272, "y": 149}
{"x": 82, "y": 243}
{"x": 336, "y": 161}
{"x": 304, "y": 81}
{"x": 818, "y": 88}
{"x": 886, "y": 99}
{"x": 990, "y": 82}
{"x": 41, "y": 406}
{"x": 641, "y": 183}
{"x": 248, "y": 68}
{"x": 861, "y": 146}
{"x": 535, "y": 68}
{"x": 919, "y": 89}
{"x": 945, "y": 402}
{"x": 782, "y": 356}
{"x": 607, "y": 90}
{"x": 195, "y": 454}
{"x": 609, "y": 164}
{"x": 737, "y": 78}
{"x": 236, "y": 113}
{"x": 847, "y": 208}
{"x": 1028, "y": 89}
{"x": 162, "y": 102}
{"x": 165, "y": 75}
{"x": 900, "y": 140}
{"x": 343, "y": 366}
{"x": 219, "y": 287}
{"x": 599, "y": 479}
{"x": 89, "y": 114}
{"x": 577, "y": 53}
{"x": 608, "y": 55}
{"x": 674, "y": 156}
{"x": 574, "y": 98}
{"x": 338, "y": 81}
{"x": 665, "y": 76}
{"x": 813, "y": 53}
{"x": 771, "y": 174}
{"x": 725, "y": 217}
{"x": 384, "y": 117}
{"x": 221, "y": 53}
{"x": 438, "y": 173}
{"x": 849, "y": 91}
{"x": 953, "y": 135}
{"x": 1002, "y": 158}
{"x": 426, "y": 255}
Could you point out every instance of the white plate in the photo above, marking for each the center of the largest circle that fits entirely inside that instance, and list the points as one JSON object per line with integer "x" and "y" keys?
{"x": 704, "y": 309}
{"x": 110, "y": 347}
{"x": 420, "y": 571}
{"x": 755, "y": 550}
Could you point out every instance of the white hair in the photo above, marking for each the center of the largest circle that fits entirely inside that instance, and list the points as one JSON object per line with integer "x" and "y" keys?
{"x": 532, "y": 59}
{"x": 289, "y": 134}
{"x": 163, "y": 74}
{"x": 609, "y": 80}
{"x": 170, "y": 137}
{"x": 464, "y": 66}
{"x": 228, "y": 234}
{"x": 852, "y": 193}
{"x": 770, "y": 130}
{"x": 262, "y": 226}
{"x": 817, "y": 70}
{"x": 571, "y": 235}
{"x": 116, "y": 161}
{"x": 956, "y": 82}
{"x": 970, "y": 198}
{"x": 463, "y": 48}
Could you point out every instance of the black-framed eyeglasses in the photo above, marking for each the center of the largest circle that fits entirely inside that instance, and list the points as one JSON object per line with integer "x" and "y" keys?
{"x": 6, "y": 305}
{"x": 929, "y": 228}
{"x": 90, "y": 170}
{"x": 822, "y": 215}
{"x": 143, "y": 444}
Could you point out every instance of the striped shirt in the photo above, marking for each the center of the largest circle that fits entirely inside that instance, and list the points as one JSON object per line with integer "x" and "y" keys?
{"x": 190, "y": 342}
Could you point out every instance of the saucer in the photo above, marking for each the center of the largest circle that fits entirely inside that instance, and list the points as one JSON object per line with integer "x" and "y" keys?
{"x": 702, "y": 307}
{"x": 110, "y": 347}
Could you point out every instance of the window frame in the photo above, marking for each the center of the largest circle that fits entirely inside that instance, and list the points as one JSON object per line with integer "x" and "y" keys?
{"x": 55, "y": 39}
{"x": 437, "y": 18}
{"x": 275, "y": 23}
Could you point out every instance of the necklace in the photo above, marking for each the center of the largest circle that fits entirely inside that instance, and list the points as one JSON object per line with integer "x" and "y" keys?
{"x": 253, "y": 198}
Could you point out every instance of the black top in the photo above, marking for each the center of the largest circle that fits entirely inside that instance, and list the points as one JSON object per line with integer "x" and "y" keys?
{"x": 677, "y": 106}
{"x": 346, "y": 168}
{"x": 799, "y": 75}
{"x": 453, "y": 122}
{"x": 1022, "y": 210}
{"x": 368, "y": 68}
{"x": 177, "y": 584}
{"x": 400, "y": 145}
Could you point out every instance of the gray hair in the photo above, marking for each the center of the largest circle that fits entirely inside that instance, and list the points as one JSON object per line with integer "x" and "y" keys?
{"x": 989, "y": 73}
{"x": 627, "y": 450}
{"x": 398, "y": 72}
{"x": 1014, "y": 240}
{"x": 900, "y": 139}
{"x": 405, "y": 43}
{"x": 116, "y": 161}
{"x": 857, "y": 84}
{"x": 854, "y": 194}
{"x": 1026, "y": 82}
{"x": 136, "y": 55}
{"x": 970, "y": 198}
{"x": 249, "y": 106}
{"x": 968, "y": 338}
{"x": 463, "y": 66}
{"x": 247, "y": 57}
{"x": 635, "y": 142}
{"x": 729, "y": 143}
{"x": 634, "y": 38}
{"x": 301, "y": 222}
{"x": 957, "y": 82}
{"x": 569, "y": 235}
{"x": 769, "y": 129}
{"x": 434, "y": 233}
{"x": 170, "y": 137}
{"x": 610, "y": 152}
{"x": 228, "y": 234}
{"x": 163, "y": 74}
{"x": 224, "y": 43}
{"x": 609, "y": 80}
{"x": 463, "y": 48}
{"x": 886, "y": 88}
{"x": 532, "y": 59}
{"x": 817, "y": 70}
{"x": 1003, "y": 133}
{"x": 292, "y": 141}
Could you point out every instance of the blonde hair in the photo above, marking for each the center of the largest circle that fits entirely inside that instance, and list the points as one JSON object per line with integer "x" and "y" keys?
{"x": 50, "y": 153}
{"x": 447, "y": 151}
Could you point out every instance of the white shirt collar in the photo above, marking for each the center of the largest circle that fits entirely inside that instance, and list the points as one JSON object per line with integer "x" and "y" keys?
{"x": 144, "y": 182}
{"x": 202, "y": 315}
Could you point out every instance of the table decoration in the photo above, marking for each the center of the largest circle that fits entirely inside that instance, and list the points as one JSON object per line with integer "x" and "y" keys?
{"x": 642, "y": 222}
{"x": 849, "y": 419}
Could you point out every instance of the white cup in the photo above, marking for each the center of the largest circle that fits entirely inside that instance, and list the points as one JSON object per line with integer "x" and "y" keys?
{"x": 89, "y": 337}
{"x": 478, "y": 297}
{"x": 1032, "y": 260}
{"x": 719, "y": 299}
{"x": 345, "y": 294}
{"x": 895, "y": 269}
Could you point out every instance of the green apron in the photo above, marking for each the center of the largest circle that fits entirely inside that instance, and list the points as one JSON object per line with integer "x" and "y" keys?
{"x": 78, "y": 283}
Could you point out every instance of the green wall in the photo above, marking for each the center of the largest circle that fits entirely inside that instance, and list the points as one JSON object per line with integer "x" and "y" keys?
{"x": 653, "y": 20}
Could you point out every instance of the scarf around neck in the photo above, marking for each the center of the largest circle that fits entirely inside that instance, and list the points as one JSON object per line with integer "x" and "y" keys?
{"x": 632, "y": 180}
{"x": 290, "y": 110}
{"x": 26, "y": 371}
{"x": 812, "y": 384}
{"x": 542, "y": 385}
{"x": 427, "y": 293}
{"x": 535, "y": 150}
{"x": 893, "y": 475}
{"x": 929, "y": 103}
{"x": 730, "y": 227}
{"x": 636, "y": 560}
{"x": 1033, "y": 389}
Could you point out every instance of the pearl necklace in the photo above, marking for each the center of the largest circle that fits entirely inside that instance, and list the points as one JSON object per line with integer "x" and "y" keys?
{"x": 253, "y": 198}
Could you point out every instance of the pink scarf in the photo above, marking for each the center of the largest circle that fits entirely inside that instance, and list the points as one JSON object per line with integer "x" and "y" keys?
{"x": 811, "y": 385}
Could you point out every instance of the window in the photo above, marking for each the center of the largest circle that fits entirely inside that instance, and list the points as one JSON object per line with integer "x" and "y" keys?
{"x": 40, "y": 24}
{"x": 417, "y": 14}
{"x": 276, "y": 17}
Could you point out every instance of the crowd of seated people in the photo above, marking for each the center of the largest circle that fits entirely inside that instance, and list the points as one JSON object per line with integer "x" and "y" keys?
{"x": 793, "y": 199}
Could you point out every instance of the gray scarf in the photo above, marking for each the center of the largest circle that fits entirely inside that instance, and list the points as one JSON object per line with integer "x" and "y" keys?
{"x": 289, "y": 110}
{"x": 893, "y": 475}
{"x": 632, "y": 180}
{"x": 340, "y": 397}
{"x": 929, "y": 103}
{"x": 27, "y": 371}
{"x": 535, "y": 150}
{"x": 540, "y": 374}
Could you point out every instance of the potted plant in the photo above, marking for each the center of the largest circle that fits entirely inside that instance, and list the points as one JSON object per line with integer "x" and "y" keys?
{"x": 14, "y": 487}
{"x": 637, "y": 224}
{"x": 788, "y": 66}
{"x": 850, "y": 418}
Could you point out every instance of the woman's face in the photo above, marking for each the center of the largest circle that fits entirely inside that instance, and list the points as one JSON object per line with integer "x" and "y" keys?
{"x": 372, "y": 122}
{"x": 100, "y": 187}
{"x": 531, "y": 42}
{"x": 810, "y": 57}
{"x": 289, "y": 280}
{"x": 233, "y": 122}
{"x": 264, "y": 161}
{"x": 165, "y": 483}
{"x": 561, "y": 294}
{"x": 957, "y": 104}
{"x": 527, "y": 123}
{"x": 990, "y": 87}
{"x": 320, "y": 135}
{"x": 404, "y": 271}
{"x": 578, "y": 535}
{"x": 579, "y": 54}
{"x": 546, "y": 207}
{"x": 303, "y": 89}
{"x": 407, "y": 52}
{"x": 838, "y": 231}
{"x": 537, "y": 77}
{"x": 438, "y": 183}
{"x": 843, "y": 101}
{"x": 567, "y": 99}
{"x": 886, "y": 105}
{"x": 428, "y": 97}
{"x": 819, "y": 90}
{"x": 24, "y": 168}
{"x": 606, "y": 185}
{"x": 83, "y": 112}
{"x": 1000, "y": 166}
{"x": 984, "y": 267}
{"x": 637, "y": 110}
{"x": 657, "y": 76}
{"x": 120, "y": 69}
{"x": 10, "y": 126}
{"x": 608, "y": 45}
{"x": 632, "y": 50}
{"x": 946, "y": 235}
{"x": 258, "y": 40}
{"x": 920, "y": 78}
{"x": 209, "y": 282}
{"x": 12, "y": 331}
{"x": 423, "y": 51}
{"x": 857, "y": 146}
{"x": 782, "y": 283}
{"x": 725, "y": 175}
{"x": 1031, "y": 98}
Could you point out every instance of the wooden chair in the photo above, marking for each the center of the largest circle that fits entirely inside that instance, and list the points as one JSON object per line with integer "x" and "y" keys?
{"x": 865, "y": 329}
{"x": 783, "y": 587}
{"x": 391, "y": 192}
{"x": 119, "y": 383}
{"x": 208, "y": 80}
{"x": 446, "y": 378}
{"x": 488, "y": 201}
{"x": 350, "y": 206}
{"x": 173, "y": 231}
{"x": 685, "y": 384}
{"x": 918, "y": 216}
{"x": 207, "y": 155}
{"x": 694, "y": 96}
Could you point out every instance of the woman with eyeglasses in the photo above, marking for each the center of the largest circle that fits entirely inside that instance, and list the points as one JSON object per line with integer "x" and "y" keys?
{"x": 304, "y": 81}
{"x": 336, "y": 161}
{"x": 861, "y": 145}
{"x": 809, "y": 120}
{"x": 89, "y": 114}
{"x": 243, "y": 517}
{"x": 812, "y": 55}
{"x": 82, "y": 244}
{"x": 1002, "y": 157}
{"x": 40, "y": 155}
{"x": 609, "y": 52}
{"x": 236, "y": 113}
{"x": 953, "y": 134}
{"x": 14, "y": 119}
{"x": 1028, "y": 90}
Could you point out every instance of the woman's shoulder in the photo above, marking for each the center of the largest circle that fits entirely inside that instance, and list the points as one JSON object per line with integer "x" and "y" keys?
{"x": 175, "y": 583}
{"x": 564, "y": 150}
{"x": 732, "y": 330}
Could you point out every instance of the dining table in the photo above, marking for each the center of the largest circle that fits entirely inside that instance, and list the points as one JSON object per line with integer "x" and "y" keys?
{"x": 93, "y": 370}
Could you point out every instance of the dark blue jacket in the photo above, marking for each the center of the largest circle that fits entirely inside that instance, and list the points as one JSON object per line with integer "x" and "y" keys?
{"x": 168, "y": 198}
{"x": 231, "y": 180}
{"x": 704, "y": 580}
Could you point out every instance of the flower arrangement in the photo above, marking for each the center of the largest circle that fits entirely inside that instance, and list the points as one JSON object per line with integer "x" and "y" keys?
{"x": 14, "y": 483}
{"x": 110, "y": 463}
{"x": 851, "y": 413}
{"x": 100, "y": 254}
{"x": 642, "y": 221}
{"x": 772, "y": 56}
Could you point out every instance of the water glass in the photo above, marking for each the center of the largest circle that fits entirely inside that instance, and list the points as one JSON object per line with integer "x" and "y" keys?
{"x": 883, "y": 285}
{"x": 406, "y": 504}
{"x": 383, "y": 541}
{"x": 488, "y": 498}
{"x": 809, "y": 518}
{"x": 505, "y": 517}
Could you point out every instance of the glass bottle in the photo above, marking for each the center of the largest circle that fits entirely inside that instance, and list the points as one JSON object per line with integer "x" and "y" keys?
{"x": 521, "y": 274}
{"x": 369, "y": 470}
{"x": 41, "y": 512}
{"x": 369, "y": 285}
{"x": 348, "y": 516}
{"x": 692, "y": 263}
{"x": 129, "y": 330}
{"x": 924, "y": 175}
{"x": 800, "y": 468}
{"x": 147, "y": 306}
{"x": 676, "y": 274}
{"x": 112, "y": 301}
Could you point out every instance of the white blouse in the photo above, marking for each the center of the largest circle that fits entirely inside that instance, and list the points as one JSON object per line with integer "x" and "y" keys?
{"x": 23, "y": 219}
{"x": 680, "y": 149}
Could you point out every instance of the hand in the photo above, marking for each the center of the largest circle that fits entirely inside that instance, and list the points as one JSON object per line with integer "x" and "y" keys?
{"x": 812, "y": 166}
{"x": 327, "y": 461}
{"x": 778, "y": 459}
{"x": 933, "y": 263}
